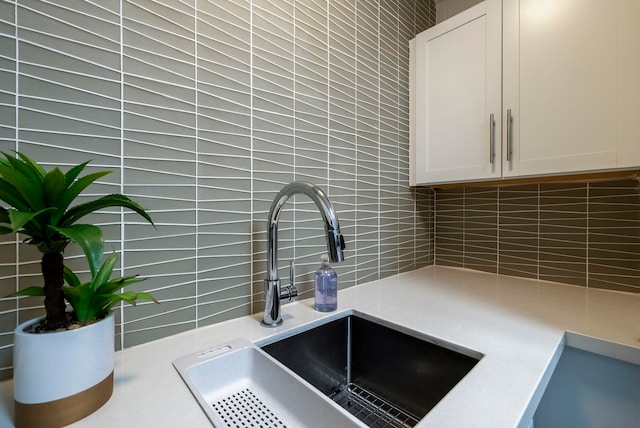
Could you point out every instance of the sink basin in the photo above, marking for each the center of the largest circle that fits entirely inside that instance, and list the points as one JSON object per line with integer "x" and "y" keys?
{"x": 383, "y": 374}
{"x": 349, "y": 370}
{"x": 238, "y": 385}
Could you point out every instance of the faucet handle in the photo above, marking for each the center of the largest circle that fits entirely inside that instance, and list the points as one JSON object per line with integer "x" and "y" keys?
{"x": 290, "y": 291}
{"x": 292, "y": 273}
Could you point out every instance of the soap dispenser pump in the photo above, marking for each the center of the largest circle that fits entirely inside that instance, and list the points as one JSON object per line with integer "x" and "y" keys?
{"x": 326, "y": 287}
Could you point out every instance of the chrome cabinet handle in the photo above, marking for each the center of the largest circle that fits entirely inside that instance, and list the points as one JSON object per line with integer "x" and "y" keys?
{"x": 509, "y": 135}
{"x": 492, "y": 139}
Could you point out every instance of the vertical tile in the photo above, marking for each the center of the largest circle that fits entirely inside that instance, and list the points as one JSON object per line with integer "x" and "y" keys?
{"x": 8, "y": 306}
{"x": 424, "y": 14}
{"x": 6, "y": 363}
{"x": 449, "y": 227}
{"x": 311, "y": 92}
{"x": 68, "y": 82}
{"x": 342, "y": 130}
{"x": 563, "y": 233}
{"x": 8, "y": 244}
{"x": 367, "y": 142}
{"x": 389, "y": 131}
{"x": 481, "y": 229}
{"x": 273, "y": 129}
{"x": 8, "y": 70}
{"x": 614, "y": 235}
{"x": 28, "y": 274}
{"x": 424, "y": 240}
{"x": 407, "y": 227}
{"x": 69, "y": 85}
{"x": 7, "y": 17}
{"x": 224, "y": 160}
{"x": 160, "y": 163}
{"x": 454, "y": 7}
{"x": 518, "y": 230}
{"x": 311, "y": 139}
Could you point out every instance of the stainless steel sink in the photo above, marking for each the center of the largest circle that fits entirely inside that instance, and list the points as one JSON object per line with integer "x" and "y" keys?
{"x": 383, "y": 374}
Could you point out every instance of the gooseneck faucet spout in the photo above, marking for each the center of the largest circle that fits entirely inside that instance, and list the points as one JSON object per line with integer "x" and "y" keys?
{"x": 335, "y": 245}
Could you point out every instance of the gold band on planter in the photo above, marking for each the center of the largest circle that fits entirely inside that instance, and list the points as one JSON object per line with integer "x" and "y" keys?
{"x": 58, "y": 413}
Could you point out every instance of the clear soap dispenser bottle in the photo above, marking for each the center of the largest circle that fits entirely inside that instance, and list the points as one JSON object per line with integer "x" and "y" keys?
{"x": 326, "y": 287}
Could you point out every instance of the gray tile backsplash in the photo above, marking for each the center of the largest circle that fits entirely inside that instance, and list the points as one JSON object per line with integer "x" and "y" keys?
{"x": 585, "y": 234}
{"x": 204, "y": 110}
{"x": 445, "y": 9}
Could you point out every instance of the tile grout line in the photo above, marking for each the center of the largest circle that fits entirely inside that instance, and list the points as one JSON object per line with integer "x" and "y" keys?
{"x": 538, "y": 233}
{"x": 355, "y": 118}
{"x": 464, "y": 226}
{"x": 252, "y": 247}
{"x": 17, "y": 147}
{"x": 587, "y": 248}
{"x": 197, "y": 165}
{"x": 498, "y": 230}
{"x": 432, "y": 224}
{"x": 122, "y": 131}
{"x": 294, "y": 134}
{"x": 379, "y": 111}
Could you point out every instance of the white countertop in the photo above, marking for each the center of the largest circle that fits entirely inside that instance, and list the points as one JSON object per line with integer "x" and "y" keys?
{"x": 518, "y": 325}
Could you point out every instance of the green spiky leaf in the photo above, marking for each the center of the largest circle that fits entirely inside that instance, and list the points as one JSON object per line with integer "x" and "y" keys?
{"x": 29, "y": 291}
{"x": 35, "y": 167}
{"x": 12, "y": 196}
{"x": 24, "y": 181}
{"x": 74, "y": 172}
{"x": 54, "y": 185}
{"x": 18, "y": 219}
{"x": 118, "y": 283}
{"x": 71, "y": 278}
{"x": 72, "y": 192}
{"x": 114, "y": 200}
{"x": 97, "y": 297}
{"x": 80, "y": 298}
{"x": 104, "y": 273}
{"x": 89, "y": 238}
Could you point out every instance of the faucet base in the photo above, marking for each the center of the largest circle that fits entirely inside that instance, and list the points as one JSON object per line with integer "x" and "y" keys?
{"x": 275, "y": 324}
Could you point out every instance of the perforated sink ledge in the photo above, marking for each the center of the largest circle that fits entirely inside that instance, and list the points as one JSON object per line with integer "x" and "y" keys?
{"x": 239, "y": 385}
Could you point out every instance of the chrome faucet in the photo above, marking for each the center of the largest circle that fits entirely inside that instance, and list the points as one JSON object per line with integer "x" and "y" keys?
{"x": 335, "y": 246}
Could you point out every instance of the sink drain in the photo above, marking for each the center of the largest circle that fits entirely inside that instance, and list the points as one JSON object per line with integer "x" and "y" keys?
{"x": 243, "y": 409}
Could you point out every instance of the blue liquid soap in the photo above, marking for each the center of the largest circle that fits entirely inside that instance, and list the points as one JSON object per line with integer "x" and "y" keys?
{"x": 326, "y": 287}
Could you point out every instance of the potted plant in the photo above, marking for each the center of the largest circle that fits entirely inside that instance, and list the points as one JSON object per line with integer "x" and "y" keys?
{"x": 63, "y": 363}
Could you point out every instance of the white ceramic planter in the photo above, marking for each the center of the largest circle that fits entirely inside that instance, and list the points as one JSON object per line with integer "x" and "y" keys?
{"x": 63, "y": 376}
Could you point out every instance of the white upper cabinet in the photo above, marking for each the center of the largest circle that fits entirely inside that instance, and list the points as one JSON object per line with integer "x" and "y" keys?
{"x": 570, "y": 81}
{"x": 456, "y": 85}
{"x": 561, "y": 77}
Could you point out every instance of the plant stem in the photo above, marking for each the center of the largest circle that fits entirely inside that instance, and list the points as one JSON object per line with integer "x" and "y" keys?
{"x": 53, "y": 274}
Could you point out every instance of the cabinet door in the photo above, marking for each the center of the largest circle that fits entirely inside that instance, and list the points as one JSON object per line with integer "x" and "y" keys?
{"x": 628, "y": 68}
{"x": 568, "y": 69}
{"x": 456, "y": 85}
